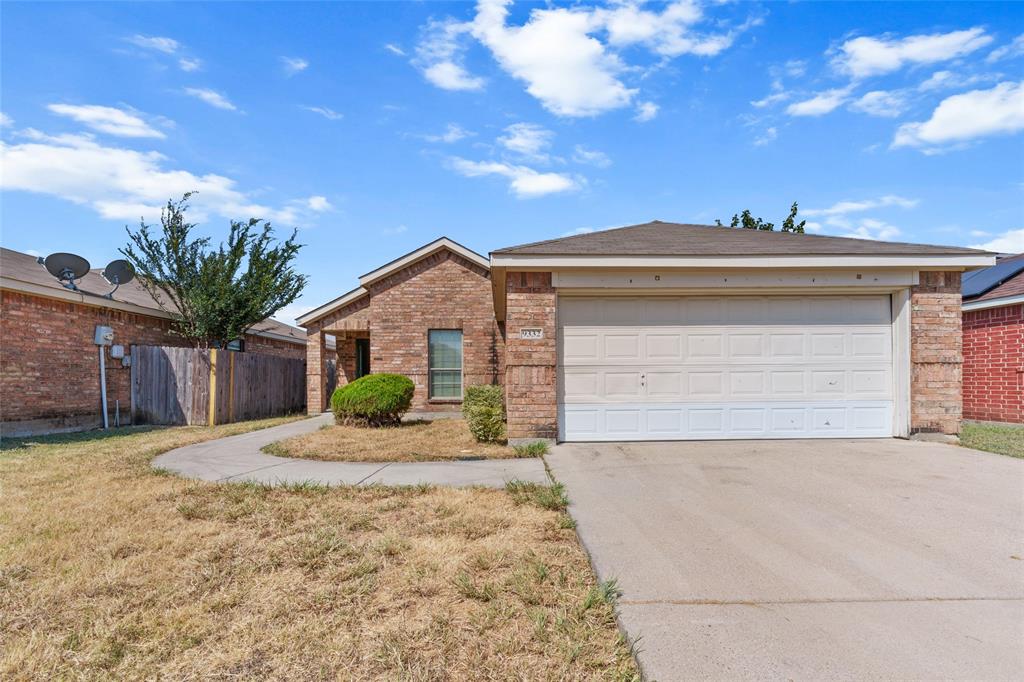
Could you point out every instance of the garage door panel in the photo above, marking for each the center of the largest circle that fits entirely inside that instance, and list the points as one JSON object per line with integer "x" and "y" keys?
{"x": 722, "y": 421}
{"x": 726, "y": 366}
{"x": 597, "y": 384}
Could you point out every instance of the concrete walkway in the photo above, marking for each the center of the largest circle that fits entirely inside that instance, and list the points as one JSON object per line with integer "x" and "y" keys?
{"x": 238, "y": 458}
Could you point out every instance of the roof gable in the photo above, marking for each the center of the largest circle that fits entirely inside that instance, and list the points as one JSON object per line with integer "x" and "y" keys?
{"x": 398, "y": 264}
{"x": 658, "y": 238}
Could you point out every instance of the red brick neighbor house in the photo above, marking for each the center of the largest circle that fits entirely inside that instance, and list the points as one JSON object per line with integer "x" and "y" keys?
{"x": 993, "y": 318}
{"x": 49, "y": 369}
{"x": 664, "y": 331}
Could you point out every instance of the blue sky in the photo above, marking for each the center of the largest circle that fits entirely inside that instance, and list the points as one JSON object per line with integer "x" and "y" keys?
{"x": 377, "y": 127}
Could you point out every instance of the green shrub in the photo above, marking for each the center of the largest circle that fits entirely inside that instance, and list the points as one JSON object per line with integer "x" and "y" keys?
{"x": 483, "y": 395}
{"x": 486, "y": 423}
{"x": 484, "y": 410}
{"x": 373, "y": 400}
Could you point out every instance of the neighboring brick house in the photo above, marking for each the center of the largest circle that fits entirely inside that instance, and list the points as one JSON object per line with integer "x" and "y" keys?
{"x": 49, "y": 367}
{"x": 993, "y": 320}
{"x": 665, "y": 331}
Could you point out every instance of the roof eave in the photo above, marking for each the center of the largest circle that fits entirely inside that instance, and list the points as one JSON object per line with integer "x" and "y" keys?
{"x": 967, "y": 261}
{"x": 329, "y": 307}
{"x": 992, "y": 302}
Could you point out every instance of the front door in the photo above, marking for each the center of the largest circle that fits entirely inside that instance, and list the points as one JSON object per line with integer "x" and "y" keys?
{"x": 362, "y": 357}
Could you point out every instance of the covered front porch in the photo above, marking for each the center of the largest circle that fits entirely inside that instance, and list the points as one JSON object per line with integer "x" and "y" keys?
{"x": 335, "y": 355}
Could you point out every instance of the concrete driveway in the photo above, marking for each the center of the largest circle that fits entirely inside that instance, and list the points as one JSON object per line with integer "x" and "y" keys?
{"x": 807, "y": 559}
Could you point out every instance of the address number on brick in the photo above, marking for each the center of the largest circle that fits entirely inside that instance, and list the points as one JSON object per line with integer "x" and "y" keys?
{"x": 531, "y": 333}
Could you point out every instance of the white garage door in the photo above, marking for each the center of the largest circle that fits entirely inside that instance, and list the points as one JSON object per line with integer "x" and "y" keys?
{"x": 670, "y": 368}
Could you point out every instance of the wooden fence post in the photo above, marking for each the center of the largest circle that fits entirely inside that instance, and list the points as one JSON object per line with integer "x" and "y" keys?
{"x": 211, "y": 419}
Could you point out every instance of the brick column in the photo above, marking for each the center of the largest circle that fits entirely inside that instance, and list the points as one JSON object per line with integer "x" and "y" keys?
{"x": 530, "y": 364}
{"x": 316, "y": 370}
{"x": 936, "y": 400}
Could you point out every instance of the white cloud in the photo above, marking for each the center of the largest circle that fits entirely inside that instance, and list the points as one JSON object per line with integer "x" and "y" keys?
{"x": 158, "y": 43}
{"x": 108, "y": 120}
{"x": 211, "y": 97}
{"x": 578, "y": 230}
{"x": 869, "y": 228}
{"x": 771, "y": 99}
{"x": 591, "y": 157}
{"x": 190, "y": 64}
{"x": 394, "y": 49}
{"x": 646, "y": 111}
{"x": 795, "y": 68}
{"x": 869, "y": 56}
{"x": 881, "y": 103}
{"x": 524, "y": 182}
{"x": 5, "y": 120}
{"x": 439, "y": 55}
{"x": 326, "y": 112}
{"x": 394, "y": 230}
{"x": 568, "y": 70}
{"x": 453, "y": 133}
{"x": 294, "y": 65}
{"x": 1011, "y": 241}
{"x": 845, "y": 207}
{"x": 970, "y": 115}
{"x": 768, "y": 136}
{"x": 821, "y": 104}
{"x": 168, "y": 46}
{"x": 558, "y": 53}
{"x": 1009, "y": 51}
{"x": 979, "y": 233}
{"x": 123, "y": 184}
{"x": 318, "y": 203}
{"x": 528, "y": 140}
{"x": 942, "y": 80}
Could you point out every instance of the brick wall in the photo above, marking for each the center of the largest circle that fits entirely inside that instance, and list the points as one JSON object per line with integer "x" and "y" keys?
{"x": 49, "y": 366}
{"x": 442, "y": 291}
{"x": 994, "y": 364}
{"x": 530, "y": 365}
{"x": 935, "y": 354}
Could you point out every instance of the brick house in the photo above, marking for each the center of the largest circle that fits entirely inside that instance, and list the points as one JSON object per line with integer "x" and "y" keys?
{"x": 665, "y": 331}
{"x": 993, "y": 319}
{"x": 49, "y": 373}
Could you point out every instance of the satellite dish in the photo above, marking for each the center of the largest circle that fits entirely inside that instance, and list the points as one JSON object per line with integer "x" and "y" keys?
{"x": 118, "y": 272}
{"x": 67, "y": 267}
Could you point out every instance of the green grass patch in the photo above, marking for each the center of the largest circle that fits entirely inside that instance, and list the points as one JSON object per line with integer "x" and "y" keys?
{"x": 535, "y": 448}
{"x": 1002, "y": 440}
{"x": 551, "y": 497}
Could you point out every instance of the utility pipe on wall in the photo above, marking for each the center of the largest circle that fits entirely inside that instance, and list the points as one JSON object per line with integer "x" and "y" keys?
{"x": 103, "y": 385}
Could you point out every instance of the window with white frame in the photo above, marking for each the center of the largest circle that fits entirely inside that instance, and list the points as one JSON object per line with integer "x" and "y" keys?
{"x": 445, "y": 363}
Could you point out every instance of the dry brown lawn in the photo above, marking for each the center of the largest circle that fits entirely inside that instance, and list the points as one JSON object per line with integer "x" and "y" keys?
{"x": 110, "y": 570}
{"x": 410, "y": 442}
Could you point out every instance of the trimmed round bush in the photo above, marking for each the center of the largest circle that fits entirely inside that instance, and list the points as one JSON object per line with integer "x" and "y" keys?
{"x": 484, "y": 410}
{"x": 373, "y": 400}
{"x": 484, "y": 394}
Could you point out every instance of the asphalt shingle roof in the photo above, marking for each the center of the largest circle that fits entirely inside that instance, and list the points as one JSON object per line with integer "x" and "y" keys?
{"x": 658, "y": 238}
{"x": 23, "y": 267}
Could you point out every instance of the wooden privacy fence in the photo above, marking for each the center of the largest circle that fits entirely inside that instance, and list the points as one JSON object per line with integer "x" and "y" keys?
{"x": 205, "y": 387}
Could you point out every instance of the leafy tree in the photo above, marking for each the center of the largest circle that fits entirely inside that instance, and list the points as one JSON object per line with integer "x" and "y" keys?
{"x": 214, "y": 295}
{"x": 747, "y": 221}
